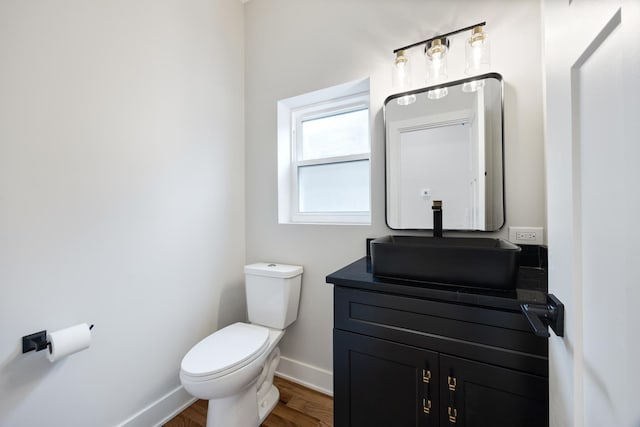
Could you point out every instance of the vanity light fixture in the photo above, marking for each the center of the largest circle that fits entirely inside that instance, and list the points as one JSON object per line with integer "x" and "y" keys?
{"x": 402, "y": 77}
{"x": 477, "y": 52}
{"x": 401, "y": 70}
{"x": 435, "y": 50}
{"x": 436, "y": 54}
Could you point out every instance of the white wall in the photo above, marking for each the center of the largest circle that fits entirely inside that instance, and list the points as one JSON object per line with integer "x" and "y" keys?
{"x": 121, "y": 198}
{"x": 293, "y": 47}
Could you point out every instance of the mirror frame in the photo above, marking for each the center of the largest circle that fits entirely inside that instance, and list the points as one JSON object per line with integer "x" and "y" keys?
{"x": 493, "y": 75}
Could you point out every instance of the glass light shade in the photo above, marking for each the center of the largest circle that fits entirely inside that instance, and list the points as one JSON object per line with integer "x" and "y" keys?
{"x": 472, "y": 86}
{"x": 406, "y": 100}
{"x": 436, "y": 54}
{"x": 437, "y": 93}
{"x": 401, "y": 75}
{"x": 477, "y": 52}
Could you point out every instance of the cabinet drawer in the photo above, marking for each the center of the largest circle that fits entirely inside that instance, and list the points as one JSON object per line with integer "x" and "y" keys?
{"x": 488, "y": 335}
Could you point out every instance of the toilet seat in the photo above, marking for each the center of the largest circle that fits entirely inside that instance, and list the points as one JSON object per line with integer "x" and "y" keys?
{"x": 225, "y": 351}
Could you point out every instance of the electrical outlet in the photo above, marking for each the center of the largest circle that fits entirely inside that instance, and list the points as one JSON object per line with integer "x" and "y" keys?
{"x": 526, "y": 235}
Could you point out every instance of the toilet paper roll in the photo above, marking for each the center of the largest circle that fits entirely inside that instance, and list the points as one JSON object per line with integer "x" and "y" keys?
{"x": 68, "y": 341}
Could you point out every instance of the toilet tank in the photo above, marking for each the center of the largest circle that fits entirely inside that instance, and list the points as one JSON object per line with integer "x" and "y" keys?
{"x": 273, "y": 293}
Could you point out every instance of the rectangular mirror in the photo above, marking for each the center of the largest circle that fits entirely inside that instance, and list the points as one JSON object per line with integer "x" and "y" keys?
{"x": 445, "y": 143}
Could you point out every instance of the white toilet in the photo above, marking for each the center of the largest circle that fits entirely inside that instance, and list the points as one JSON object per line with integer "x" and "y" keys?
{"x": 233, "y": 368}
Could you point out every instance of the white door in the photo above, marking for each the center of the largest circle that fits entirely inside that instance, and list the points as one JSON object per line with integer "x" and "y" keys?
{"x": 592, "y": 89}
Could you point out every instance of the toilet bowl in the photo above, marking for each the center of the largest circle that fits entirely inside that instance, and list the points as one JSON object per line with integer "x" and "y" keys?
{"x": 224, "y": 369}
{"x": 234, "y": 367}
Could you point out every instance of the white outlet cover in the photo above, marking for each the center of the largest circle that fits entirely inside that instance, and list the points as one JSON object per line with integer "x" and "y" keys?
{"x": 538, "y": 231}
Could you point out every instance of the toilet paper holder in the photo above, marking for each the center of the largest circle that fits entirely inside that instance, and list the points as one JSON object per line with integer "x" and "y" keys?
{"x": 37, "y": 341}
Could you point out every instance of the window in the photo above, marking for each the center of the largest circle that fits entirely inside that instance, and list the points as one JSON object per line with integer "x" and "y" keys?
{"x": 323, "y": 156}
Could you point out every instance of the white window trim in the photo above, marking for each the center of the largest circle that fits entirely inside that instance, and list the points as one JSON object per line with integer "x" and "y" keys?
{"x": 350, "y": 97}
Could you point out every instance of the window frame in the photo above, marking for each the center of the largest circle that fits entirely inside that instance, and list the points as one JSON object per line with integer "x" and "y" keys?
{"x": 329, "y": 108}
{"x": 341, "y": 99}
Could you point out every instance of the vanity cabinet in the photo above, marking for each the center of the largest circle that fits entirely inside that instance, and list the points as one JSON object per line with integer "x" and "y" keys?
{"x": 407, "y": 360}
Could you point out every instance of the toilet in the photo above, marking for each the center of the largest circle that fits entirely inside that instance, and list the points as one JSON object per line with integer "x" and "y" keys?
{"x": 233, "y": 368}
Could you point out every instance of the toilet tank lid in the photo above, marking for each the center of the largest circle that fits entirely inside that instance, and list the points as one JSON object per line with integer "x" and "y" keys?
{"x": 272, "y": 269}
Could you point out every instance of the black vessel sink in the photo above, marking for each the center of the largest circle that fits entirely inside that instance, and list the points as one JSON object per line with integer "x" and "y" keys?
{"x": 465, "y": 261}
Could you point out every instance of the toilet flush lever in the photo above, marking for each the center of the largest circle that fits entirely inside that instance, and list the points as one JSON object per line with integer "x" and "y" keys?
{"x": 542, "y": 316}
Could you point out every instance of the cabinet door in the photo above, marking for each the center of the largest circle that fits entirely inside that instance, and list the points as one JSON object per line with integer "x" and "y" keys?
{"x": 476, "y": 394}
{"x": 381, "y": 383}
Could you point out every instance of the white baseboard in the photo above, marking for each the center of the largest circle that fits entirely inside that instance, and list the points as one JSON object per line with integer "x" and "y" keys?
{"x": 177, "y": 400}
{"x": 162, "y": 410}
{"x": 307, "y": 375}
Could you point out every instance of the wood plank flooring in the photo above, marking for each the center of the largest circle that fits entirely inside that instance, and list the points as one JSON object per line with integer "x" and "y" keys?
{"x": 298, "y": 407}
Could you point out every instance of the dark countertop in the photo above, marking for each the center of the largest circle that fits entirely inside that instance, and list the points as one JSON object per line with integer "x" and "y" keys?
{"x": 531, "y": 287}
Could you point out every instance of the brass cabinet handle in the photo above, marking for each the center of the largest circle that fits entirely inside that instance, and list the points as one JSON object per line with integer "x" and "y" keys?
{"x": 453, "y": 414}
{"x": 426, "y": 406}
{"x": 426, "y": 376}
{"x": 452, "y": 383}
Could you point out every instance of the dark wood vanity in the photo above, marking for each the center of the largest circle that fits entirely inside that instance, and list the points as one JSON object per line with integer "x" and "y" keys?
{"x": 419, "y": 354}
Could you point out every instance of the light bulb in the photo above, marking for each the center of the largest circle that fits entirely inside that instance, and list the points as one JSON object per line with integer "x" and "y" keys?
{"x": 477, "y": 52}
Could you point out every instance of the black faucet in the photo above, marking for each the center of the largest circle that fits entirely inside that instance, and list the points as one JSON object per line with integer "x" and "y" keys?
{"x": 437, "y": 218}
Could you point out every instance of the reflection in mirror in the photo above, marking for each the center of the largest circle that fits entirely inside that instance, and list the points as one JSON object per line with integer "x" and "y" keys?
{"x": 446, "y": 143}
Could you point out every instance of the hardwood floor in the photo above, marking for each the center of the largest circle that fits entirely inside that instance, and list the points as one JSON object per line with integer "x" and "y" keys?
{"x": 298, "y": 407}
